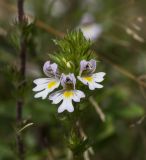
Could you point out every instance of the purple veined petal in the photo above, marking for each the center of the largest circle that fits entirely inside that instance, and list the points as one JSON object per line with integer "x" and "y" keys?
{"x": 93, "y": 65}
{"x": 50, "y": 69}
{"x": 63, "y": 79}
{"x": 88, "y": 66}
{"x": 68, "y": 80}
{"x": 54, "y": 67}
{"x": 83, "y": 64}
{"x": 73, "y": 79}
{"x": 46, "y": 67}
{"x": 56, "y": 97}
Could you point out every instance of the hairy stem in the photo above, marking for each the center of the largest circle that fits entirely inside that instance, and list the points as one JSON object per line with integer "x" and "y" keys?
{"x": 22, "y": 57}
{"x": 75, "y": 136}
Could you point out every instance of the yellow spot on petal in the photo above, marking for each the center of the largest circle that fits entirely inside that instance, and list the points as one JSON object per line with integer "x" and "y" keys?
{"x": 88, "y": 79}
{"x": 51, "y": 84}
{"x": 68, "y": 94}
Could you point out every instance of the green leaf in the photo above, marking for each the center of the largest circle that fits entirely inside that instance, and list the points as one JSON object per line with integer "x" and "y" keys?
{"x": 132, "y": 111}
{"x": 107, "y": 129}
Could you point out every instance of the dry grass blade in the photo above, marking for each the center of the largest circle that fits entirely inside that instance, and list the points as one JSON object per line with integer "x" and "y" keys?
{"x": 26, "y": 126}
{"x": 97, "y": 108}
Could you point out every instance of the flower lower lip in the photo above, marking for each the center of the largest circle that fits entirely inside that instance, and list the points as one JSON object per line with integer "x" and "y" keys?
{"x": 68, "y": 94}
{"x": 89, "y": 79}
{"x": 52, "y": 84}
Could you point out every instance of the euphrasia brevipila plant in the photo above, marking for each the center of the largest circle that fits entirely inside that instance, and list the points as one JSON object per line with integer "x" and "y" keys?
{"x": 73, "y": 62}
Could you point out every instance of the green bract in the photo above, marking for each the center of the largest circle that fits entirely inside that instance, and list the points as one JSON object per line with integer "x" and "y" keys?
{"x": 72, "y": 49}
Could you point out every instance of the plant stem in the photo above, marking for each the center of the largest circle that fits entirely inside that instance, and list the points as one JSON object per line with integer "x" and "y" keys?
{"x": 22, "y": 40}
{"x": 75, "y": 136}
{"x": 19, "y": 105}
{"x": 78, "y": 158}
{"x": 20, "y": 146}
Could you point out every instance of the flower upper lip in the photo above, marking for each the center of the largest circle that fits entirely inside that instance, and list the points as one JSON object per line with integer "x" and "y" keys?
{"x": 68, "y": 79}
{"x": 89, "y": 66}
{"x": 50, "y": 70}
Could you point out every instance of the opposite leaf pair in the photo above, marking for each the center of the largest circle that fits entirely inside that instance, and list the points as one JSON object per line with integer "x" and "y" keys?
{"x": 68, "y": 82}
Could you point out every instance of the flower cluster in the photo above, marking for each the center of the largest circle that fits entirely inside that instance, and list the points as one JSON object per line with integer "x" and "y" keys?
{"x": 69, "y": 93}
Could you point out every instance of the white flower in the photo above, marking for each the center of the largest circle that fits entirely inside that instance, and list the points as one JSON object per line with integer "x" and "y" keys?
{"x": 87, "y": 75}
{"x": 46, "y": 85}
{"x": 91, "y": 30}
{"x": 67, "y": 95}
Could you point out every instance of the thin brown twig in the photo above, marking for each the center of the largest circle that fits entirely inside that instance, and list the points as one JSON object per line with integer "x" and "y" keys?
{"x": 48, "y": 28}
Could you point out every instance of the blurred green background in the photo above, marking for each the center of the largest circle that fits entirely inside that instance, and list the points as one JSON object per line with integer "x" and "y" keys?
{"x": 121, "y": 49}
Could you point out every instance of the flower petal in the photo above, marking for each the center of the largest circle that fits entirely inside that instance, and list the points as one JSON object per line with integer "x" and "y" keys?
{"x": 83, "y": 63}
{"x": 68, "y": 80}
{"x": 42, "y": 94}
{"x": 53, "y": 85}
{"x": 89, "y": 66}
{"x": 54, "y": 67}
{"x": 96, "y": 85}
{"x": 66, "y": 105}
{"x": 93, "y": 64}
{"x": 91, "y": 85}
{"x": 82, "y": 80}
{"x": 78, "y": 95}
{"x": 50, "y": 69}
{"x": 56, "y": 97}
{"x": 98, "y": 77}
{"x": 41, "y": 80}
{"x": 46, "y": 87}
{"x": 40, "y": 87}
{"x": 92, "y": 79}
